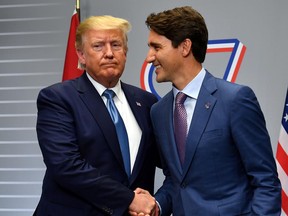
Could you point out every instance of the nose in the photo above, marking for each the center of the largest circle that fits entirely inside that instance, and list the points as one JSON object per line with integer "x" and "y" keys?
{"x": 108, "y": 51}
{"x": 150, "y": 56}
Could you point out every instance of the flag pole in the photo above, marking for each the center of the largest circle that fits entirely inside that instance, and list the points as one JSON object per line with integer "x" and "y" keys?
{"x": 78, "y": 9}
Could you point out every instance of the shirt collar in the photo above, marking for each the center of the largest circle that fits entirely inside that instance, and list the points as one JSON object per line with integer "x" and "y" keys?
{"x": 100, "y": 88}
{"x": 193, "y": 88}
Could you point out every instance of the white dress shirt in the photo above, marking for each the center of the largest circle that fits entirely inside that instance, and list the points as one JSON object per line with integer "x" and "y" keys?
{"x": 192, "y": 91}
{"x": 134, "y": 132}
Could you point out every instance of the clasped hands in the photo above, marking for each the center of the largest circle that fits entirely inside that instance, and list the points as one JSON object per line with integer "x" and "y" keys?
{"x": 143, "y": 204}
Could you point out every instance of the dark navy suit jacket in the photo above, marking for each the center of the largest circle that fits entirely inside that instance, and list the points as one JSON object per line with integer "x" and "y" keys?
{"x": 85, "y": 172}
{"x": 229, "y": 167}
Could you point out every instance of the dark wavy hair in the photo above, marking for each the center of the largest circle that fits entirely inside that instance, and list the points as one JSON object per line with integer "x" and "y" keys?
{"x": 179, "y": 24}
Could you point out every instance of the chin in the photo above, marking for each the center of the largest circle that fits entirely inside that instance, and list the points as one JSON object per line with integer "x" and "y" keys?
{"x": 159, "y": 80}
{"x": 113, "y": 73}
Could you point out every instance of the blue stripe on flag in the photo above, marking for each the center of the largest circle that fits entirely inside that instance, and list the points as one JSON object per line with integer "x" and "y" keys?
{"x": 285, "y": 114}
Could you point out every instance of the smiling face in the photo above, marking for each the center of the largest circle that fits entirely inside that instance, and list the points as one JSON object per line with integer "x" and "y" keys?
{"x": 103, "y": 53}
{"x": 166, "y": 59}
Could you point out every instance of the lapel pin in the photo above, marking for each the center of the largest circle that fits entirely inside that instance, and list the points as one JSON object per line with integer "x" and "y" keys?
{"x": 207, "y": 105}
{"x": 138, "y": 104}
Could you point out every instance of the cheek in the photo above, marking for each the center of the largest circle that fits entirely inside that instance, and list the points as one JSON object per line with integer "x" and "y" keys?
{"x": 124, "y": 59}
{"x": 121, "y": 58}
{"x": 93, "y": 57}
{"x": 171, "y": 58}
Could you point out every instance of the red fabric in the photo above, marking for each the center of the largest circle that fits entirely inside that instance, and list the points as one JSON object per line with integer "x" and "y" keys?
{"x": 70, "y": 70}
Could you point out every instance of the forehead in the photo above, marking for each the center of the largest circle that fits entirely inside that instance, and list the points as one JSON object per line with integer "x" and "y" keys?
{"x": 104, "y": 35}
{"x": 156, "y": 39}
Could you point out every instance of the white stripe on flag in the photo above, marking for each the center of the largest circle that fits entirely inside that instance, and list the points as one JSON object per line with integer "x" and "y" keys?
{"x": 283, "y": 177}
{"x": 283, "y": 139}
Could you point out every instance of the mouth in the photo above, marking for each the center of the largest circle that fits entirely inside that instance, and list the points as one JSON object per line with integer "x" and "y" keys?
{"x": 157, "y": 66}
{"x": 107, "y": 65}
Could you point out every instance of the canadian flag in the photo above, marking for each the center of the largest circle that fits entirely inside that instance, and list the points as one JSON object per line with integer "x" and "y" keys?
{"x": 71, "y": 70}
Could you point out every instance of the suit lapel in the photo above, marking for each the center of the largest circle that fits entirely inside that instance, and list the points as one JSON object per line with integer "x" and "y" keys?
{"x": 97, "y": 108}
{"x": 204, "y": 107}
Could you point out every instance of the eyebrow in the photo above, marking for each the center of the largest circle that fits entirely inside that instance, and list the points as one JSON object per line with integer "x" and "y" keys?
{"x": 154, "y": 44}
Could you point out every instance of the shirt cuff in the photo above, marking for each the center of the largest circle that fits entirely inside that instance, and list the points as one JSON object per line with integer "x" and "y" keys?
{"x": 160, "y": 209}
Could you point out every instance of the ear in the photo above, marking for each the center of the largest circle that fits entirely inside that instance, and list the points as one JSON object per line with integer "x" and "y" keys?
{"x": 186, "y": 47}
{"x": 81, "y": 56}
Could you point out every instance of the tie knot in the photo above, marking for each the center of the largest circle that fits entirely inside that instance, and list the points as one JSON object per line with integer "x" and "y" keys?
{"x": 180, "y": 98}
{"x": 109, "y": 94}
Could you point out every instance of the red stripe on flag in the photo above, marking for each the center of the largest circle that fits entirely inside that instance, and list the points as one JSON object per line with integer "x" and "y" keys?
{"x": 282, "y": 158}
{"x": 284, "y": 202}
{"x": 70, "y": 70}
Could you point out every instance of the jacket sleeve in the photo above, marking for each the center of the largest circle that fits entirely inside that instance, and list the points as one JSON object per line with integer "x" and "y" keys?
{"x": 253, "y": 143}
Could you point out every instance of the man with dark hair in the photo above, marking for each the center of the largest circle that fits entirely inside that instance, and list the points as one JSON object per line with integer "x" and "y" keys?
{"x": 214, "y": 145}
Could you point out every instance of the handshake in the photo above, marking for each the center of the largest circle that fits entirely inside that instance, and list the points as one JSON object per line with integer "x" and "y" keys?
{"x": 143, "y": 204}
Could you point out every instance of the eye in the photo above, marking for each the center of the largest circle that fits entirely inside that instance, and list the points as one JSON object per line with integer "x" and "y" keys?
{"x": 98, "y": 47}
{"x": 156, "y": 48}
{"x": 116, "y": 46}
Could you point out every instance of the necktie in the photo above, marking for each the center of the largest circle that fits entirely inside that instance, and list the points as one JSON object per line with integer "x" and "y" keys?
{"x": 120, "y": 129}
{"x": 180, "y": 125}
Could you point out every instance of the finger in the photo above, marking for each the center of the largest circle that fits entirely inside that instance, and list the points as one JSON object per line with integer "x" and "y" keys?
{"x": 133, "y": 213}
{"x": 138, "y": 190}
{"x": 145, "y": 192}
